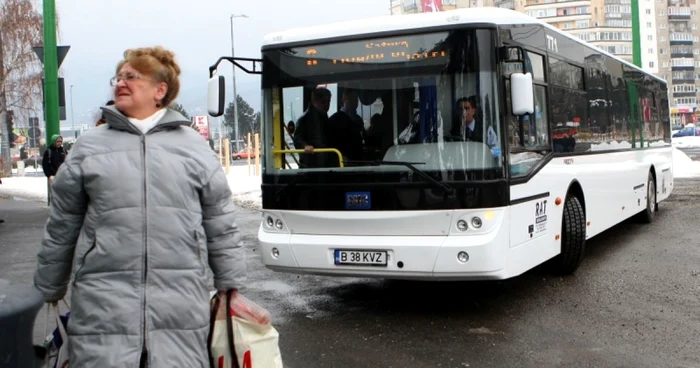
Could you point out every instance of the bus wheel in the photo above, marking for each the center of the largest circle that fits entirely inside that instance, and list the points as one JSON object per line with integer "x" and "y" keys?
{"x": 647, "y": 216}
{"x": 573, "y": 238}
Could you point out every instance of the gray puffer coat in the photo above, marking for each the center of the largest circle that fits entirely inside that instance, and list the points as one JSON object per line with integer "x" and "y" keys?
{"x": 138, "y": 216}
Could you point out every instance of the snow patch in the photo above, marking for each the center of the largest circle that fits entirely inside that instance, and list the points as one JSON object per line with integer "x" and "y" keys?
{"x": 245, "y": 188}
{"x": 684, "y": 166}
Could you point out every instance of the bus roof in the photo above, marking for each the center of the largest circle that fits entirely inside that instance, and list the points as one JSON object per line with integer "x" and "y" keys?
{"x": 407, "y": 22}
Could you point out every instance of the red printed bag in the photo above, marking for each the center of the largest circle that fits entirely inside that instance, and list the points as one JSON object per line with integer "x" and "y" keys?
{"x": 241, "y": 336}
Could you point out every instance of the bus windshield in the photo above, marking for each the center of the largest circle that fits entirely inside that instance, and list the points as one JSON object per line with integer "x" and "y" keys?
{"x": 430, "y": 100}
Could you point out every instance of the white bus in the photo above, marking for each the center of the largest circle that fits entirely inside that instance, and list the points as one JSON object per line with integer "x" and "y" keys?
{"x": 492, "y": 143}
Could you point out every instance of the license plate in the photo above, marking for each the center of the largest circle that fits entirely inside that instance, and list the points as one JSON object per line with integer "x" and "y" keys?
{"x": 360, "y": 257}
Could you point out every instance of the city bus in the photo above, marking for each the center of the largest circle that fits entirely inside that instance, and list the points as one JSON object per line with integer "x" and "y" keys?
{"x": 564, "y": 141}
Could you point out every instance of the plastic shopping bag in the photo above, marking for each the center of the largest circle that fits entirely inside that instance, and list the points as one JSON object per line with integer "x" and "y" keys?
{"x": 241, "y": 335}
{"x": 56, "y": 344}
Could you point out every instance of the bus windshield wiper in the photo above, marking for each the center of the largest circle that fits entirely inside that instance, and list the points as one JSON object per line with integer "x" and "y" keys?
{"x": 448, "y": 189}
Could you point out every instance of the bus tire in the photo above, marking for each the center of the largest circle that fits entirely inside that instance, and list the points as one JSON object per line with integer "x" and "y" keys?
{"x": 573, "y": 238}
{"x": 647, "y": 216}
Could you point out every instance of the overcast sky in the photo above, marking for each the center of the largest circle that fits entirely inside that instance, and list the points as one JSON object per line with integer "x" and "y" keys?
{"x": 197, "y": 31}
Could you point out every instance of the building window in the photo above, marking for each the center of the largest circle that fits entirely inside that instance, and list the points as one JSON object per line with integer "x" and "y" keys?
{"x": 650, "y": 38}
{"x": 651, "y": 64}
{"x": 648, "y": 24}
{"x": 661, "y": 12}
{"x": 651, "y": 51}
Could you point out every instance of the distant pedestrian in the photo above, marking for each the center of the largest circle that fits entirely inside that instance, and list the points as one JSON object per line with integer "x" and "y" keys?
{"x": 142, "y": 206}
{"x": 54, "y": 156}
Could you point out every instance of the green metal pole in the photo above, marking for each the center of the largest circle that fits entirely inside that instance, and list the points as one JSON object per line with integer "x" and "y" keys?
{"x": 53, "y": 124}
{"x": 635, "y": 111}
{"x": 51, "y": 70}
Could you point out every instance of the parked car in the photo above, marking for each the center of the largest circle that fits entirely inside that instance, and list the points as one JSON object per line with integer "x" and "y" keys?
{"x": 243, "y": 154}
{"x": 688, "y": 131}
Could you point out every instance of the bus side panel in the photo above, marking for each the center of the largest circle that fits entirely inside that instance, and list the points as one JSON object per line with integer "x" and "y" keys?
{"x": 613, "y": 184}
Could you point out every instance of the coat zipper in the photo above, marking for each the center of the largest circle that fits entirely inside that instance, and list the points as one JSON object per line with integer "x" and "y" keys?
{"x": 82, "y": 264}
{"x": 145, "y": 245}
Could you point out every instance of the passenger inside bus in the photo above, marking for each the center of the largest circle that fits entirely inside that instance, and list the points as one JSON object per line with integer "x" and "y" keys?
{"x": 349, "y": 126}
{"x": 313, "y": 130}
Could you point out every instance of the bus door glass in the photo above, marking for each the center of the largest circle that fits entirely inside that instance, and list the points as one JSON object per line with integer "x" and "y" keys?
{"x": 528, "y": 135}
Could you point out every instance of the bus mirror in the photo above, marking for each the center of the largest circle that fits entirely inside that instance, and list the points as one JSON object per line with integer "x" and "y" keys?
{"x": 216, "y": 95}
{"x": 521, "y": 94}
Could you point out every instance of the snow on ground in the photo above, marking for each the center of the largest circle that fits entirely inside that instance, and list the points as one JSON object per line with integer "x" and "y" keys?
{"x": 686, "y": 142}
{"x": 683, "y": 166}
{"x": 245, "y": 188}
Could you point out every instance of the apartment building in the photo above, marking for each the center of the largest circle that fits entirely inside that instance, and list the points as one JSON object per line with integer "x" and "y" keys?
{"x": 679, "y": 56}
{"x": 668, "y": 29}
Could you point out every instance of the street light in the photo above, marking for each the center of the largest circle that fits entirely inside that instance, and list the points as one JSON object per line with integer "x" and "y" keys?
{"x": 72, "y": 116}
{"x": 235, "y": 96}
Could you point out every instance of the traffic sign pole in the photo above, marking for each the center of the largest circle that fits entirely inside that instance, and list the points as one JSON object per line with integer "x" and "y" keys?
{"x": 51, "y": 70}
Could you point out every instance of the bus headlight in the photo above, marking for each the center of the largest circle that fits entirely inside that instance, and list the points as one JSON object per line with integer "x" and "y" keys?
{"x": 476, "y": 222}
{"x": 462, "y": 225}
{"x": 272, "y": 223}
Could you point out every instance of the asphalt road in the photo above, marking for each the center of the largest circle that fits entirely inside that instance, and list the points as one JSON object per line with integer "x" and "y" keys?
{"x": 633, "y": 303}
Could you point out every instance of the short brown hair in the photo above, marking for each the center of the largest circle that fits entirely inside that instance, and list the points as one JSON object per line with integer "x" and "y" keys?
{"x": 157, "y": 63}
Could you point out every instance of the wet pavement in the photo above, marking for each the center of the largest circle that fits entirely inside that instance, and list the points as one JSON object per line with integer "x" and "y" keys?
{"x": 633, "y": 303}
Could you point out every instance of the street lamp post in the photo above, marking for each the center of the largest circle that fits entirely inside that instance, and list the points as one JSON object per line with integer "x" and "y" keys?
{"x": 72, "y": 115}
{"x": 235, "y": 96}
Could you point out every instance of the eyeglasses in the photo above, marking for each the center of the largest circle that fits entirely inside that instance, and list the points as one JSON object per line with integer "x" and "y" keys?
{"x": 127, "y": 77}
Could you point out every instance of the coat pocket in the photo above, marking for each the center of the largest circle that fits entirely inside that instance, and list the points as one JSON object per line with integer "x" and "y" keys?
{"x": 82, "y": 263}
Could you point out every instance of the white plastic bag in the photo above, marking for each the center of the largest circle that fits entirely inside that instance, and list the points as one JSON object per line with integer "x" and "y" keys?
{"x": 57, "y": 343}
{"x": 241, "y": 335}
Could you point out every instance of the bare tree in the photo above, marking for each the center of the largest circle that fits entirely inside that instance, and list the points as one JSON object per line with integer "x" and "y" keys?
{"x": 21, "y": 28}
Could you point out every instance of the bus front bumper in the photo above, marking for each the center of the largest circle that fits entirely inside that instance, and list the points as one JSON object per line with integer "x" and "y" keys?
{"x": 447, "y": 257}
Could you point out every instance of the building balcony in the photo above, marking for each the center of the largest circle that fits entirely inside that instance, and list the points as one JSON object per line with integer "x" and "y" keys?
{"x": 682, "y": 54}
{"x": 679, "y": 12}
{"x": 682, "y": 64}
{"x": 680, "y": 38}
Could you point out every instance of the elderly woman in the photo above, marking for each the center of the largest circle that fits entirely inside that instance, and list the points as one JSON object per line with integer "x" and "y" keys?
{"x": 143, "y": 203}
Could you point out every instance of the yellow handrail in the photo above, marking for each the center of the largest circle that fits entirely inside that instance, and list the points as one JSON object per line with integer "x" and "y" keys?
{"x": 316, "y": 150}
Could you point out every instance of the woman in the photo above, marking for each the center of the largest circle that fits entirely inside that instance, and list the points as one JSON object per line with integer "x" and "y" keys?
{"x": 144, "y": 203}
